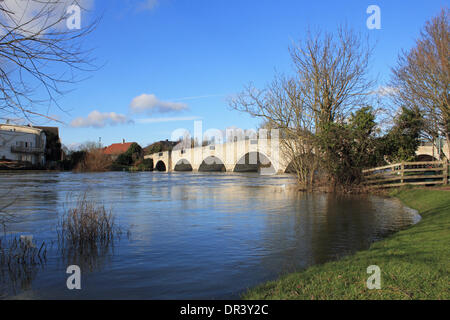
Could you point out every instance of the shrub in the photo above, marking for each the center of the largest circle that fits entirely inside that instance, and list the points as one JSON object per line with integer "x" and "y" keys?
{"x": 94, "y": 159}
{"x": 145, "y": 165}
{"x": 128, "y": 158}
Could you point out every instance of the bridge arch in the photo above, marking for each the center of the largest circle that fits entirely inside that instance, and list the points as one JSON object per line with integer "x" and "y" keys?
{"x": 255, "y": 161}
{"x": 212, "y": 163}
{"x": 429, "y": 152}
{"x": 161, "y": 166}
{"x": 183, "y": 165}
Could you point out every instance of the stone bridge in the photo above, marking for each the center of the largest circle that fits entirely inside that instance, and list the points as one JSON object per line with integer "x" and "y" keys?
{"x": 252, "y": 155}
{"x": 260, "y": 155}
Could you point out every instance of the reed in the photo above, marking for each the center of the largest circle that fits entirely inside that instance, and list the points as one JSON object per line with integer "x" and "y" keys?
{"x": 20, "y": 262}
{"x": 16, "y": 252}
{"x": 87, "y": 225}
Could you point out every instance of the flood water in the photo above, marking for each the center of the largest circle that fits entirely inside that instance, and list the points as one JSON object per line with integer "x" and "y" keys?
{"x": 192, "y": 235}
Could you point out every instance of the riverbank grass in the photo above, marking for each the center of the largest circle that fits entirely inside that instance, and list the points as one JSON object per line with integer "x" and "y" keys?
{"x": 414, "y": 263}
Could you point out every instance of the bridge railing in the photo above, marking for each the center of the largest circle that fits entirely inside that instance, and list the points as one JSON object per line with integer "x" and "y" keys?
{"x": 408, "y": 173}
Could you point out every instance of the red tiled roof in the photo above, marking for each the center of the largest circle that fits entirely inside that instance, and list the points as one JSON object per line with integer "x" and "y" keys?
{"x": 117, "y": 148}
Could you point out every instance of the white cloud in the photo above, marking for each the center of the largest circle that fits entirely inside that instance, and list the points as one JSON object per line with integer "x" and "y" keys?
{"x": 173, "y": 119}
{"x": 149, "y": 102}
{"x": 98, "y": 119}
{"x": 34, "y": 16}
{"x": 385, "y": 91}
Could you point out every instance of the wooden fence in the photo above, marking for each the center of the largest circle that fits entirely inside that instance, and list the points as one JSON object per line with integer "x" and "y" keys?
{"x": 408, "y": 173}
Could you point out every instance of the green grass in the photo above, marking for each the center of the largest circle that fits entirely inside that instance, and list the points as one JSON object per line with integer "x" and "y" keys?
{"x": 414, "y": 262}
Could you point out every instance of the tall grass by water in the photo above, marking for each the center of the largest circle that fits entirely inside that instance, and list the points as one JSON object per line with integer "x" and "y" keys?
{"x": 18, "y": 252}
{"x": 87, "y": 224}
{"x": 20, "y": 261}
{"x": 86, "y": 233}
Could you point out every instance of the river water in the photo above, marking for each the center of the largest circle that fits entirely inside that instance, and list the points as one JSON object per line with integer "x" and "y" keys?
{"x": 192, "y": 235}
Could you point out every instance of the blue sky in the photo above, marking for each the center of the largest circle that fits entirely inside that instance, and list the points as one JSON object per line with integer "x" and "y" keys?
{"x": 190, "y": 55}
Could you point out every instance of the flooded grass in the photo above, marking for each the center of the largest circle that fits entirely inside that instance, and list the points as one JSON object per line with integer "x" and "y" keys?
{"x": 87, "y": 224}
{"x": 86, "y": 233}
{"x": 17, "y": 252}
{"x": 20, "y": 261}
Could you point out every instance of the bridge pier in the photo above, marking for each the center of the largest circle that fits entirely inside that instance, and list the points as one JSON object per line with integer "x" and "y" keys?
{"x": 229, "y": 167}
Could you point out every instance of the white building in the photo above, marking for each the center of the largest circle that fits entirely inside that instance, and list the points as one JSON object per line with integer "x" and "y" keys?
{"x": 22, "y": 143}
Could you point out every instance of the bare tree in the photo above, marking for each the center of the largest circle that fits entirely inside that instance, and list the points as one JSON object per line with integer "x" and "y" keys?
{"x": 95, "y": 160}
{"x": 422, "y": 77}
{"x": 39, "y": 55}
{"x": 332, "y": 72}
{"x": 330, "y": 80}
{"x": 281, "y": 107}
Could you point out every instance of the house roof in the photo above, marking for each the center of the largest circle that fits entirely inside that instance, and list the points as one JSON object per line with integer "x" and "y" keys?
{"x": 117, "y": 148}
{"x": 18, "y": 128}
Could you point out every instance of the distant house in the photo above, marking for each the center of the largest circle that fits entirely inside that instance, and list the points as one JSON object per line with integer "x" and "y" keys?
{"x": 117, "y": 149}
{"x": 22, "y": 143}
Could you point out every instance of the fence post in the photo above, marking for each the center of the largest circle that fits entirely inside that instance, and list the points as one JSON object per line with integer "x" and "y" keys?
{"x": 445, "y": 171}
{"x": 402, "y": 171}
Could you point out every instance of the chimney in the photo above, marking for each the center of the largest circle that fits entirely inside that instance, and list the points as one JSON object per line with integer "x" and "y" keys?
{"x": 123, "y": 141}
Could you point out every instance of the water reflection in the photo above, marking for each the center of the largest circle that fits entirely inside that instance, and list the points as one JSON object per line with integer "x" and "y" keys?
{"x": 197, "y": 235}
{"x": 20, "y": 261}
{"x": 90, "y": 259}
{"x": 17, "y": 279}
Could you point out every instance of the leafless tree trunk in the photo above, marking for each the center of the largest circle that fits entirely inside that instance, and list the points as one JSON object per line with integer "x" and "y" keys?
{"x": 422, "y": 77}
{"x": 39, "y": 55}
